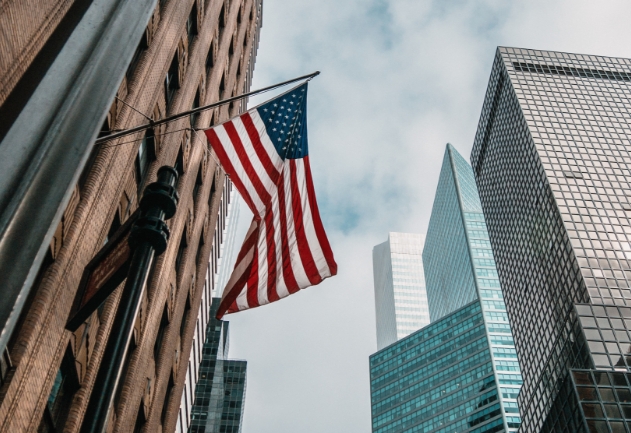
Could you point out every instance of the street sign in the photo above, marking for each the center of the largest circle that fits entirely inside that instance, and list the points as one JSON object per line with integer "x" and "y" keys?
{"x": 105, "y": 272}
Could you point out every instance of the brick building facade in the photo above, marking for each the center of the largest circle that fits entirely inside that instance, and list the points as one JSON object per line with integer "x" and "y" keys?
{"x": 192, "y": 53}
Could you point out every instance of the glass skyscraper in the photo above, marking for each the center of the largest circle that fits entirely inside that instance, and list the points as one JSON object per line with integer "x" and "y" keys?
{"x": 460, "y": 268}
{"x": 220, "y": 390}
{"x": 552, "y": 163}
{"x": 460, "y": 373}
{"x": 441, "y": 379}
{"x": 221, "y": 260}
{"x": 400, "y": 298}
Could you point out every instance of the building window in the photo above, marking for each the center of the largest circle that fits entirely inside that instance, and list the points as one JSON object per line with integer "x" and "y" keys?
{"x": 172, "y": 81}
{"x": 210, "y": 58}
{"x": 198, "y": 184}
{"x": 213, "y": 188}
{"x": 222, "y": 17}
{"x": 222, "y": 86}
{"x": 179, "y": 163}
{"x": 187, "y": 311}
{"x": 146, "y": 154}
{"x": 200, "y": 249}
{"x": 165, "y": 405}
{"x": 179, "y": 259}
{"x": 191, "y": 24}
{"x": 60, "y": 398}
{"x": 142, "y": 46}
{"x": 114, "y": 226}
{"x": 195, "y": 105}
{"x": 141, "y": 420}
{"x": 164, "y": 322}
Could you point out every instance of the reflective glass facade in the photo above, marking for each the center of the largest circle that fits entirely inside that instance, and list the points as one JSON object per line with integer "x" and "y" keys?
{"x": 400, "y": 297}
{"x": 216, "y": 275}
{"x": 442, "y": 379}
{"x": 551, "y": 160}
{"x": 459, "y": 267}
{"x": 220, "y": 391}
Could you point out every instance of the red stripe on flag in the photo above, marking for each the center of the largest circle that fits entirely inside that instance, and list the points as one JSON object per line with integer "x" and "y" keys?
{"x": 229, "y": 301}
{"x": 247, "y": 164}
{"x": 253, "y": 282}
{"x": 288, "y": 272}
{"x": 301, "y": 238}
{"x": 272, "y": 295}
{"x": 249, "y": 242}
{"x": 217, "y": 146}
{"x": 232, "y": 292}
{"x": 317, "y": 221}
{"x": 258, "y": 147}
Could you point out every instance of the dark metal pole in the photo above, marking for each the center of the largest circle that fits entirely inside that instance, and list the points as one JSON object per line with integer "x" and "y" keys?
{"x": 148, "y": 239}
{"x": 119, "y": 134}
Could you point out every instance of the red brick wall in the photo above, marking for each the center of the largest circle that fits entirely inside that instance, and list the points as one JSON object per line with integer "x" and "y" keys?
{"x": 39, "y": 344}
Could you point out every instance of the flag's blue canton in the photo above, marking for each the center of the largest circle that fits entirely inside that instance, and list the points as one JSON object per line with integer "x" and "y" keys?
{"x": 285, "y": 119}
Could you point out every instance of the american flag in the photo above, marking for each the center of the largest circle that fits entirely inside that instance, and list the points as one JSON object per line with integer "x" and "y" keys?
{"x": 264, "y": 151}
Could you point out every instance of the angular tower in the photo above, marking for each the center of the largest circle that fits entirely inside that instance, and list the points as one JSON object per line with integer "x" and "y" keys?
{"x": 459, "y": 373}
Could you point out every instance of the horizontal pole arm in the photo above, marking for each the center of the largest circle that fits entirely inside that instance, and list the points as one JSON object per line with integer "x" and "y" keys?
{"x": 119, "y": 134}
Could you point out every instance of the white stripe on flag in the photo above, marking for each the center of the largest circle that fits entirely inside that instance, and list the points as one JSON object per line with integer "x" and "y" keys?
{"x": 242, "y": 299}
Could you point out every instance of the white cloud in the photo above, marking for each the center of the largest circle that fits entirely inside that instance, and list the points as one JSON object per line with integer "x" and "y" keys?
{"x": 399, "y": 80}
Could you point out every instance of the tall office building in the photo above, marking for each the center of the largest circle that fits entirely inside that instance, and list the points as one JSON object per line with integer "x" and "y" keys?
{"x": 220, "y": 259}
{"x": 552, "y": 164}
{"x": 460, "y": 373}
{"x": 400, "y": 298}
{"x": 220, "y": 391}
{"x": 459, "y": 268}
{"x": 188, "y": 53}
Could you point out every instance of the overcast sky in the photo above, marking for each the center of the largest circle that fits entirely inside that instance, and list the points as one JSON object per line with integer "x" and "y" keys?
{"x": 399, "y": 80}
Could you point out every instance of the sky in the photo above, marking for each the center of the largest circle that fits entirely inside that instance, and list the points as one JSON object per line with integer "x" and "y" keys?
{"x": 400, "y": 79}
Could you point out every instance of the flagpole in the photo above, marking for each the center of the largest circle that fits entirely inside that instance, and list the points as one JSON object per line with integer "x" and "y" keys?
{"x": 148, "y": 239}
{"x": 124, "y": 132}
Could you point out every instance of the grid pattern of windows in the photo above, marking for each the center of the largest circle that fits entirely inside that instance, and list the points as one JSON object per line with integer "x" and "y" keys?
{"x": 551, "y": 159}
{"x": 220, "y": 390}
{"x": 216, "y": 275}
{"x": 438, "y": 379}
{"x": 459, "y": 266}
{"x": 400, "y": 297}
{"x": 606, "y": 329}
{"x": 605, "y": 398}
